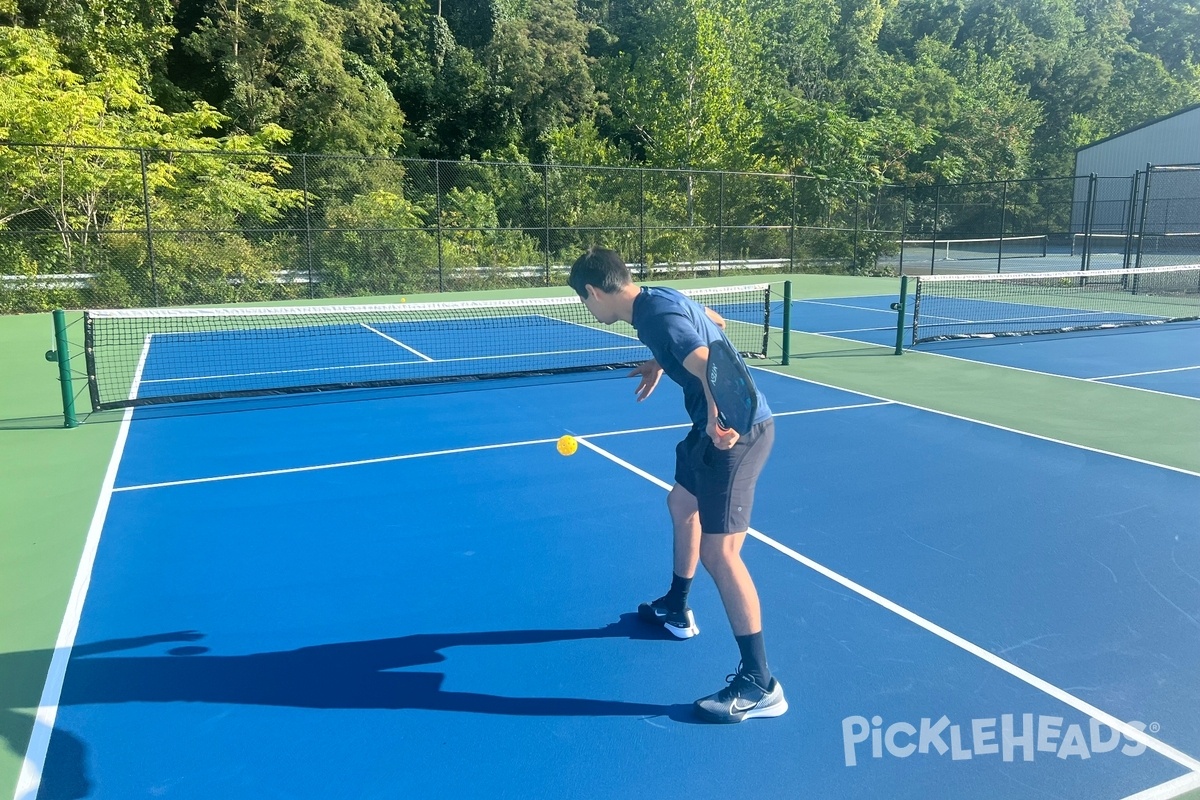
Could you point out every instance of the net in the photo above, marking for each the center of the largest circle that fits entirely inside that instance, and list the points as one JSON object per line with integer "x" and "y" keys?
{"x": 965, "y": 306}
{"x": 144, "y": 356}
{"x": 1184, "y": 245}
{"x": 971, "y": 249}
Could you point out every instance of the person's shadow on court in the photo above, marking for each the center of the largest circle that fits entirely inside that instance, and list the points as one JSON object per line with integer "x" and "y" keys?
{"x": 367, "y": 674}
{"x": 342, "y": 675}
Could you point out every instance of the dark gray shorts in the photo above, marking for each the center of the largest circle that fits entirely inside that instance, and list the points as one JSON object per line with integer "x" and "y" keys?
{"x": 723, "y": 480}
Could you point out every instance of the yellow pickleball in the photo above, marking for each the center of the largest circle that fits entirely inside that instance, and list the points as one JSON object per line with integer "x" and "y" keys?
{"x": 567, "y": 445}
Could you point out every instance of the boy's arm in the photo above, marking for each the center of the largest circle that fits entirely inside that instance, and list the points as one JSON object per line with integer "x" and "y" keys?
{"x": 697, "y": 364}
{"x": 717, "y": 319}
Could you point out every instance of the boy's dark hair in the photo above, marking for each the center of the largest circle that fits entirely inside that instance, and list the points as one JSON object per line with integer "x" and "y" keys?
{"x": 602, "y": 268}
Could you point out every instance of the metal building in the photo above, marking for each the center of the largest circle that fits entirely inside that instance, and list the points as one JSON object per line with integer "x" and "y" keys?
{"x": 1117, "y": 159}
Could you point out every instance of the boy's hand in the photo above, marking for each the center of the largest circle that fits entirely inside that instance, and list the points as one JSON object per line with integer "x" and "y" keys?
{"x": 723, "y": 438}
{"x": 650, "y": 373}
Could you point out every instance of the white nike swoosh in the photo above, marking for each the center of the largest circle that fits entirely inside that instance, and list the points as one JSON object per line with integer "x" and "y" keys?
{"x": 737, "y": 707}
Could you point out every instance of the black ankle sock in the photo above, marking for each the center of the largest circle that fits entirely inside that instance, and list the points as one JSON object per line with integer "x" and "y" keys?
{"x": 754, "y": 658}
{"x": 677, "y": 598}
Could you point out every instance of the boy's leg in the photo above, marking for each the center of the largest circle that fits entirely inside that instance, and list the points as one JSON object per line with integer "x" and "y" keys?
{"x": 722, "y": 558}
{"x": 728, "y": 496}
{"x": 685, "y": 522}
{"x": 752, "y": 691}
{"x": 671, "y": 610}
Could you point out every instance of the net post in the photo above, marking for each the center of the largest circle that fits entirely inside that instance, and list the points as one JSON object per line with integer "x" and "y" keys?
{"x": 916, "y": 310}
{"x": 63, "y": 356}
{"x": 787, "y": 323}
{"x": 900, "y": 315}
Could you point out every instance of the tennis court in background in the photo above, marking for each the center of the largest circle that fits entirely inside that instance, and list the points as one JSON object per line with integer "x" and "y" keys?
{"x": 405, "y": 591}
{"x": 1118, "y": 340}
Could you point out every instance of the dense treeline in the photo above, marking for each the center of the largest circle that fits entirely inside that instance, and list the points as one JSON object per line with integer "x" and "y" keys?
{"x": 855, "y": 94}
{"x": 897, "y": 90}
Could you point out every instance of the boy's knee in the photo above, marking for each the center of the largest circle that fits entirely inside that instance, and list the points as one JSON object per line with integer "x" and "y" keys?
{"x": 716, "y": 553}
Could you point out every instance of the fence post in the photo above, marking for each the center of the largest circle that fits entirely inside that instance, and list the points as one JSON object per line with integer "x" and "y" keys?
{"x": 1003, "y": 222}
{"x": 437, "y": 191}
{"x": 720, "y": 218}
{"x": 854, "y": 258}
{"x": 792, "y": 231}
{"x": 786, "y": 338}
{"x": 308, "y": 245}
{"x": 903, "y": 227}
{"x": 1089, "y": 218}
{"x": 149, "y": 229}
{"x": 642, "y": 218}
{"x": 937, "y": 209}
{"x": 1142, "y": 224}
{"x": 546, "y": 210}
{"x": 1134, "y": 183}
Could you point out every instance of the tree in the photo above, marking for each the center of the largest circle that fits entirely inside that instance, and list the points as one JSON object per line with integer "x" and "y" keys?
{"x": 540, "y": 72}
{"x": 101, "y": 34}
{"x": 88, "y": 185}
{"x": 286, "y": 62}
{"x": 689, "y": 82}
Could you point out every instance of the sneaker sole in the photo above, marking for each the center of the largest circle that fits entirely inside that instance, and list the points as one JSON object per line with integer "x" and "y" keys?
{"x": 682, "y": 633}
{"x": 652, "y": 618}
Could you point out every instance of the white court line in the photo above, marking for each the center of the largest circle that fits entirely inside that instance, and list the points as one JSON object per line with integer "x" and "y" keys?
{"x": 453, "y": 451}
{"x": 34, "y": 762}
{"x": 337, "y": 465}
{"x": 1061, "y": 695}
{"x": 890, "y": 311}
{"x": 1170, "y": 789}
{"x": 891, "y": 328}
{"x": 385, "y": 364}
{"x": 414, "y": 351}
{"x": 1147, "y": 372}
{"x": 846, "y": 305}
{"x": 988, "y": 424}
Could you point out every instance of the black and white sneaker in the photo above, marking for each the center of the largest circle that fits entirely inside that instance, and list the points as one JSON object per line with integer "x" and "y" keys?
{"x": 680, "y": 624}
{"x": 742, "y": 699}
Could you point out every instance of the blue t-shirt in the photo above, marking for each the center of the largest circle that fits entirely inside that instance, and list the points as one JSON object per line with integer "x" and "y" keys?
{"x": 672, "y": 326}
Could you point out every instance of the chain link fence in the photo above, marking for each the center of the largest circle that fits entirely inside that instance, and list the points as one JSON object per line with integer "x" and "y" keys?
{"x": 1169, "y": 225}
{"x": 123, "y": 227}
{"x": 113, "y": 227}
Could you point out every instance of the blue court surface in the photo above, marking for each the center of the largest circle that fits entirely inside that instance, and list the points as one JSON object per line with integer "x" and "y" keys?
{"x": 1161, "y": 358}
{"x": 408, "y": 593}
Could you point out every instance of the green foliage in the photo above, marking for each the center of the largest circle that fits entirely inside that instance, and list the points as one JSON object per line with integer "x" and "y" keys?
{"x": 188, "y": 104}
{"x": 691, "y": 84}
{"x": 309, "y": 66}
{"x": 90, "y": 190}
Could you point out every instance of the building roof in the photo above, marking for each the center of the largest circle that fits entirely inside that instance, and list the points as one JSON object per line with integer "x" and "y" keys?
{"x": 1147, "y": 124}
